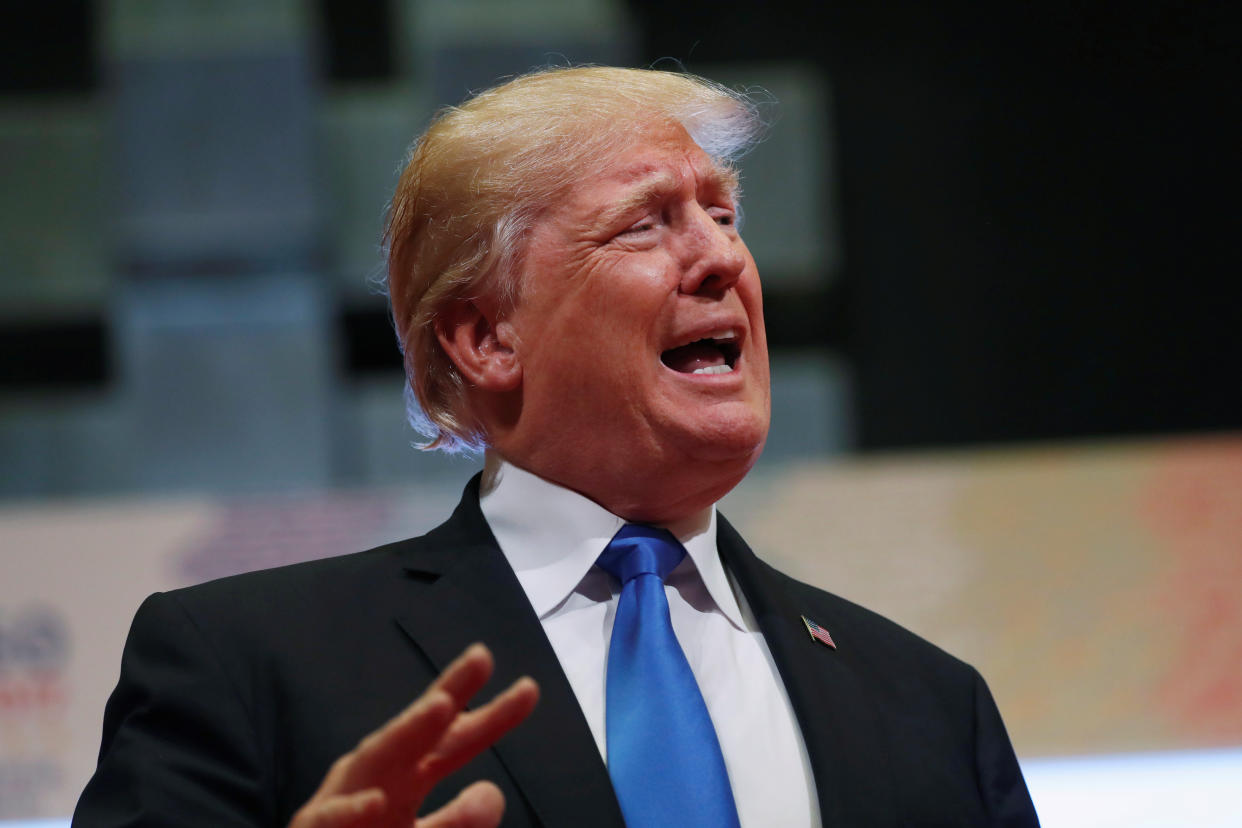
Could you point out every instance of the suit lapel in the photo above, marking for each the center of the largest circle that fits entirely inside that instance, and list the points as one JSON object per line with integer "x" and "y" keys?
{"x": 467, "y": 592}
{"x": 837, "y": 715}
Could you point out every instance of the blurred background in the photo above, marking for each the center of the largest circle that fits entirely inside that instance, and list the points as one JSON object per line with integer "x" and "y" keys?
{"x": 1000, "y": 250}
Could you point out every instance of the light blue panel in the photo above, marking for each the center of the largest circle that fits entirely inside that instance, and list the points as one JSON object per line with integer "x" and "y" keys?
{"x": 459, "y": 47}
{"x": 230, "y": 382}
{"x": 811, "y": 408}
{"x": 216, "y": 160}
{"x": 57, "y": 444}
{"x": 365, "y": 131}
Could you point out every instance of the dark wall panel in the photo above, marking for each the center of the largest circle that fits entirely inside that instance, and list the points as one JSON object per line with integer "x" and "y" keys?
{"x": 1039, "y": 204}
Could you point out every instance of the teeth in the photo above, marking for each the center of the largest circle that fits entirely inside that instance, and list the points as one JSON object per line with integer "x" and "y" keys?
{"x": 722, "y": 336}
{"x": 714, "y": 369}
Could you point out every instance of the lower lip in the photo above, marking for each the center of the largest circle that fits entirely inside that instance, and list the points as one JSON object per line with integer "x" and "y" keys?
{"x": 727, "y": 378}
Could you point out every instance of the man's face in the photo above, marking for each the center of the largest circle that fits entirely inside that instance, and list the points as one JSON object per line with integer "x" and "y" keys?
{"x": 640, "y": 335}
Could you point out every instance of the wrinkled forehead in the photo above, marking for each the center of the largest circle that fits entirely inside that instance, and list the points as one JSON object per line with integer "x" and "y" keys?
{"x": 656, "y": 157}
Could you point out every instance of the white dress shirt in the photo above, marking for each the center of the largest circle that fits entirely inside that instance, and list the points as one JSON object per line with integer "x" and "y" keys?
{"x": 552, "y": 537}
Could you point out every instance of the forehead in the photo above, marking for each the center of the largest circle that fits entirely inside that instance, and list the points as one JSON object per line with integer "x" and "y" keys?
{"x": 657, "y": 161}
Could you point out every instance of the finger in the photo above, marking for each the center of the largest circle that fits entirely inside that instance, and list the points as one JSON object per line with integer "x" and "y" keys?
{"x": 408, "y": 737}
{"x": 481, "y": 805}
{"x": 467, "y": 674}
{"x": 397, "y": 746}
{"x": 472, "y": 733}
{"x": 344, "y": 811}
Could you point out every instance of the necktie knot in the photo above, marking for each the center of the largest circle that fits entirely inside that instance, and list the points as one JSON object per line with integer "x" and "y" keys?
{"x": 641, "y": 550}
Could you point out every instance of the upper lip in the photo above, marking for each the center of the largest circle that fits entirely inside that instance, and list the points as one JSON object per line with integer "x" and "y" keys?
{"x": 727, "y": 330}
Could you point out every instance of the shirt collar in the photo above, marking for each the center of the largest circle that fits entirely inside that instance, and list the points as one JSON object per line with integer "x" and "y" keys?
{"x": 552, "y": 537}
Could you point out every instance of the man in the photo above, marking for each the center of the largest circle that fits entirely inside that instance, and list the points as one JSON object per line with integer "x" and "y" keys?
{"x": 572, "y": 294}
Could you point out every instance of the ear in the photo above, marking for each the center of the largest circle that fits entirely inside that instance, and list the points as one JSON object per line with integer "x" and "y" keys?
{"x": 480, "y": 345}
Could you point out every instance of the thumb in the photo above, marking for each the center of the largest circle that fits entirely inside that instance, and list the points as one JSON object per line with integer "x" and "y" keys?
{"x": 480, "y": 805}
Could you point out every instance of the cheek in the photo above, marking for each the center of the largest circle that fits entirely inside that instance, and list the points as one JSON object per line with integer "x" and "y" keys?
{"x": 589, "y": 330}
{"x": 623, "y": 305}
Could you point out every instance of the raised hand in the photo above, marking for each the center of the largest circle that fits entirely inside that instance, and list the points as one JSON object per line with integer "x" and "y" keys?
{"x": 384, "y": 780}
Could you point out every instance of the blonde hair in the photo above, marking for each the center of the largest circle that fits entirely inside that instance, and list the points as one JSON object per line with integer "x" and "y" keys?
{"x": 476, "y": 181}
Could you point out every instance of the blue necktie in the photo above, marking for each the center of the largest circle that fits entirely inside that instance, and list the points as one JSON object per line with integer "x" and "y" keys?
{"x": 663, "y": 756}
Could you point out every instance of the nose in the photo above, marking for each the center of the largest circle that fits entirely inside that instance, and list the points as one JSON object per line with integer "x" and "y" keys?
{"x": 714, "y": 256}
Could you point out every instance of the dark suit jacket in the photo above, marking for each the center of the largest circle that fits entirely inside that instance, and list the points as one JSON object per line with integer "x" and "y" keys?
{"x": 236, "y": 695}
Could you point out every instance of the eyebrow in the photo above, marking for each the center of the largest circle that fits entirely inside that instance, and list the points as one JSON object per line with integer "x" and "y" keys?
{"x": 657, "y": 186}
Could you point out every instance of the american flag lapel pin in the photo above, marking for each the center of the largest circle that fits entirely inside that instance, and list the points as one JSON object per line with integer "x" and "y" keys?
{"x": 818, "y": 633}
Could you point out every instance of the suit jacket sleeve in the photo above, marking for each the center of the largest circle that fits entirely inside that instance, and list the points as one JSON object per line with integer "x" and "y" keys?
{"x": 1001, "y": 785}
{"x": 179, "y": 747}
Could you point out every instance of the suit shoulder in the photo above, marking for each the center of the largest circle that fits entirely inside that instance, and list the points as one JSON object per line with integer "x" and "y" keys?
{"x": 278, "y": 609}
{"x": 295, "y": 581}
{"x": 348, "y": 574}
{"x": 874, "y": 633}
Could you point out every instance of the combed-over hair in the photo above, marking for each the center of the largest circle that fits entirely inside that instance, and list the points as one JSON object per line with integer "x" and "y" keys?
{"x": 476, "y": 181}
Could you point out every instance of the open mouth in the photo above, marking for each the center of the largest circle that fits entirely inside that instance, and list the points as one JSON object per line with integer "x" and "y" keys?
{"x": 715, "y": 354}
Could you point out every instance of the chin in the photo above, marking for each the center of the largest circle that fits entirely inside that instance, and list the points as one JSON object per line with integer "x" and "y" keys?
{"x": 739, "y": 450}
{"x": 738, "y": 438}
